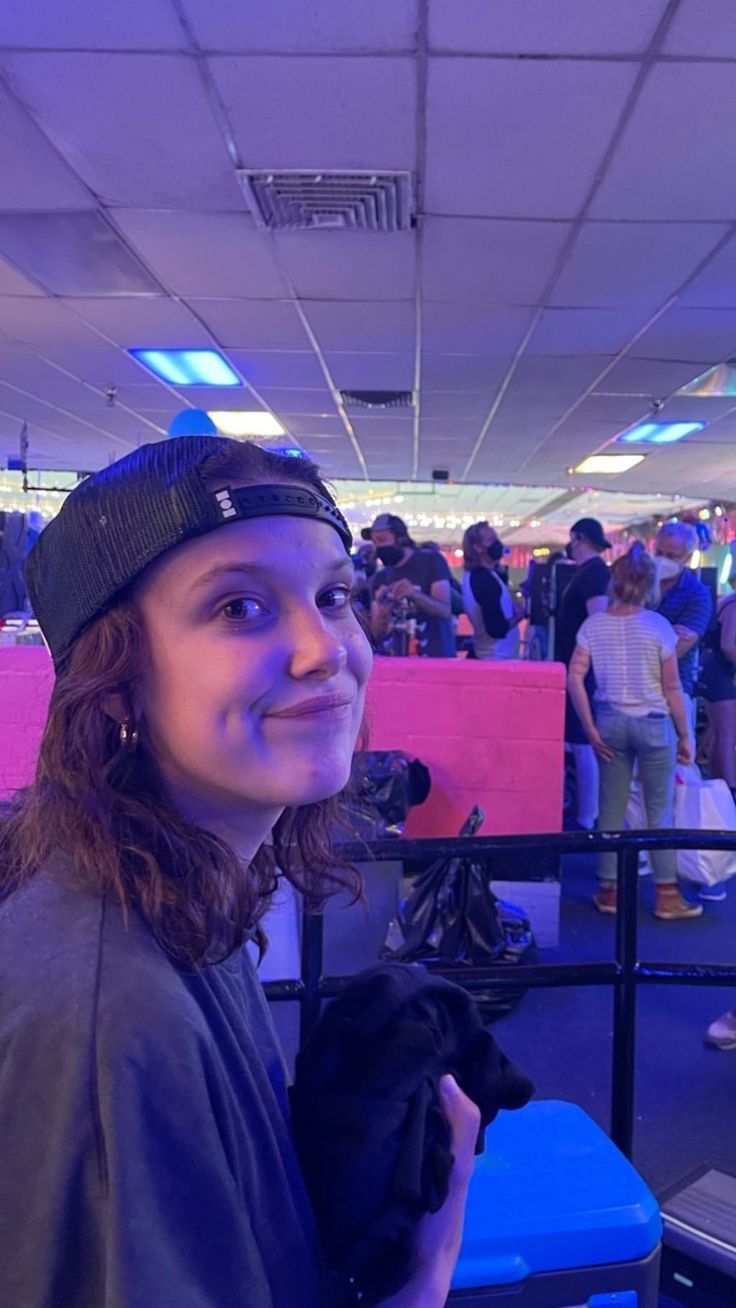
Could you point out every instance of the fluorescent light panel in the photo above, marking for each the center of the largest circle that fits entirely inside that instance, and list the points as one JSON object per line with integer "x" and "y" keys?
{"x": 246, "y": 422}
{"x": 188, "y": 367}
{"x": 609, "y": 463}
{"x": 658, "y": 433}
{"x": 719, "y": 380}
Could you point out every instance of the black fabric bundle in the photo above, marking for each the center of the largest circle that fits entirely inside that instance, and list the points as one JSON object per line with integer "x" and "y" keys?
{"x": 370, "y": 1133}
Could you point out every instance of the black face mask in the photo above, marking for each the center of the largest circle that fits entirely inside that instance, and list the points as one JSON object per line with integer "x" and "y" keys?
{"x": 390, "y": 555}
{"x": 495, "y": 551}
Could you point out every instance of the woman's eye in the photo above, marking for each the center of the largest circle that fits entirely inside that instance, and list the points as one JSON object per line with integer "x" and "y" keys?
{"x": 337, "y": 597}
{"x": 242, "y": 610}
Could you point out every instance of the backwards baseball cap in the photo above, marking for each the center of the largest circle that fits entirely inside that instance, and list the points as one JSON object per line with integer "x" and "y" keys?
{"x": 386, "y": 522}
{"x": 592, "y": 530}
{"x": 118, "y": 521}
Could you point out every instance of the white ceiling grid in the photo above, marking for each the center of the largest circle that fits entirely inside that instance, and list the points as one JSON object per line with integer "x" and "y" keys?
{"x": 576, "y": 227}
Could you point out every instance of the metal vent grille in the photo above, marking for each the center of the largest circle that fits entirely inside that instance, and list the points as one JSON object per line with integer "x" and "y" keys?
{"x": 378, "y": 399}
{"x": 300, "y": 201}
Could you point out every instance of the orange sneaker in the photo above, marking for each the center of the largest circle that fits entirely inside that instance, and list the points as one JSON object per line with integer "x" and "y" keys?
{"x": 606, "y": 897}
{"x": 669, "y": 905}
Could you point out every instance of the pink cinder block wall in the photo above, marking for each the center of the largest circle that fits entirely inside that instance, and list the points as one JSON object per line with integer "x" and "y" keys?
{"x": 26, "y": 678}
{"x": 490, "y": 734}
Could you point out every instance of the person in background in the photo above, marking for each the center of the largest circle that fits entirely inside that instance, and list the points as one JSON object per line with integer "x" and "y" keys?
{"x": 488, "y": 601}
{"x": 685, "y": 602}
{"x": 638, "y": 717}
{"x": 584, "y": 596}
{"x": 419, "y": 576}
{"x": 456, "y": 591}
{"x": 717, "y": 680}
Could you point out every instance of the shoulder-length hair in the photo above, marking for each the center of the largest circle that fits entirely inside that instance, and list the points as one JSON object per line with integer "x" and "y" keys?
{"x": 109, "y": 811}
{"x": 472, "y": 540}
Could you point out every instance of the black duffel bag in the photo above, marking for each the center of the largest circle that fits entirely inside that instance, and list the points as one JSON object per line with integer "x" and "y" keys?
{"x": 384, "y": 785}
{"x": 452, "y": 918}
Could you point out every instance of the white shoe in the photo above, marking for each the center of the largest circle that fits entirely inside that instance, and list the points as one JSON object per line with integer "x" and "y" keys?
{"x": 722, "y": 1032}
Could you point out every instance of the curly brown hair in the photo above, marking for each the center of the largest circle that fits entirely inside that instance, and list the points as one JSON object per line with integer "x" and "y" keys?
{"x": 634, "y": 577}
{"x": 108, "y": 809}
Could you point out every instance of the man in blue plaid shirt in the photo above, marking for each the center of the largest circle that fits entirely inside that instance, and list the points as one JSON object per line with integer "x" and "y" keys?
{"x": 686, "y": 602}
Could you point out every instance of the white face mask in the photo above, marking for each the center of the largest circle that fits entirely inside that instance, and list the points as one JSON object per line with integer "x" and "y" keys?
{"x": 667, "y": 569}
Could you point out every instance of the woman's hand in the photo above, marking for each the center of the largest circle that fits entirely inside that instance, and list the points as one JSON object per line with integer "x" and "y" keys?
{"x": 603, "y": 750}
{"x": 684, "y": 750}
{"x": 439, "y": 1234}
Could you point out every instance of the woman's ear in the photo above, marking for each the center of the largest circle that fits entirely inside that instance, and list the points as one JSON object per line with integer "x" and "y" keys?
{"x": 121, "y": 707}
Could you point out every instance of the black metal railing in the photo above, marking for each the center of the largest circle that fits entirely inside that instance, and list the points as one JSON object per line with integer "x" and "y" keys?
{"x": 625, "y": 972}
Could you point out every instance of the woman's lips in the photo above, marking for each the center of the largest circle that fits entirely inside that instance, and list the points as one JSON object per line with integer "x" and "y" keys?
{"x": 316, "y": 706}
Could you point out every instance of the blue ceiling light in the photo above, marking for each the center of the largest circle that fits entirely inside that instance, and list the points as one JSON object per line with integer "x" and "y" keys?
{"x": 658, "y": 433}
{"x": 188, "y": 367}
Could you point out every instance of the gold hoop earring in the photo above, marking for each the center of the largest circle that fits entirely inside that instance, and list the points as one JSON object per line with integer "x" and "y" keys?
{"x": 128, "y": 736}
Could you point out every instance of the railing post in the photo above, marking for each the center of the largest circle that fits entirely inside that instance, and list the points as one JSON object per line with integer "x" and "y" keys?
{"x": 313, "y": 928}
{"x": 624, "y": 1001}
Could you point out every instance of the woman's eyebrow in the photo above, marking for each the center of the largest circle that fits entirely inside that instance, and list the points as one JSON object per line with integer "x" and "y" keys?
{"x": 258, "y": 569}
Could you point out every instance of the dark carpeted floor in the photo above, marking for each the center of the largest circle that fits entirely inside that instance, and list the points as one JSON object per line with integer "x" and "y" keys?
{"x": 685, "y": 1092}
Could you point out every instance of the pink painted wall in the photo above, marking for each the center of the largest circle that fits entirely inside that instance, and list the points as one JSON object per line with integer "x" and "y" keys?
{"x": 490, "y": 733}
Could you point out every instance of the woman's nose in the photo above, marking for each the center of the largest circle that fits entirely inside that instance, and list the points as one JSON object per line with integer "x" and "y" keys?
{"x": 317, "y": 651}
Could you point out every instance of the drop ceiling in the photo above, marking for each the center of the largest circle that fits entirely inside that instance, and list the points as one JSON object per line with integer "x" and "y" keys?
{"x": 573, "y": 258}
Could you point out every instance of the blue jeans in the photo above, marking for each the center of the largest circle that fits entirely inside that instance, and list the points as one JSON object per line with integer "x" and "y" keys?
{"x": 652, "y": 743}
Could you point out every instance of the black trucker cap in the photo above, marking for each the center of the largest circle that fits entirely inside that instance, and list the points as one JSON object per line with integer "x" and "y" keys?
{"x": 116, "y": 522}
{"x": 592, "y": 530}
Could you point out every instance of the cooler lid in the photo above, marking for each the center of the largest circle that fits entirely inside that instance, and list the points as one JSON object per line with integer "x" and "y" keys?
{"x": 551, "y": 1192}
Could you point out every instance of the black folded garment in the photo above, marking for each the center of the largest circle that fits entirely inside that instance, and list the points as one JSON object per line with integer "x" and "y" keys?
{"x": 373, "y": 1142}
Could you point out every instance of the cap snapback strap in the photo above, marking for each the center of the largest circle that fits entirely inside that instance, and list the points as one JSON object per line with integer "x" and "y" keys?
{"x": 238, "y": 503}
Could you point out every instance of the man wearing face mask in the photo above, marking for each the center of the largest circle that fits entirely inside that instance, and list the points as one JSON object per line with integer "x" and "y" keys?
{"x": 419, "y": 576}
{"x": 585, "y": 595}
{"x": 685, "y": 602}
{"x": 488, "y": 600}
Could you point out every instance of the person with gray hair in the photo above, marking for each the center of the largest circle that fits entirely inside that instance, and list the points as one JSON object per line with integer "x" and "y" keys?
{"x": 685, "y": 601}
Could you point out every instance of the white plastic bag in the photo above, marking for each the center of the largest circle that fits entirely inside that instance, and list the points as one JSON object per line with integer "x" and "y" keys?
{"x": 705, "y": 806}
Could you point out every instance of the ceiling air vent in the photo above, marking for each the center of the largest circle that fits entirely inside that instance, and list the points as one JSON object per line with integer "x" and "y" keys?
{"x": 294, "y": 201}
{"x": 378, "y": 399}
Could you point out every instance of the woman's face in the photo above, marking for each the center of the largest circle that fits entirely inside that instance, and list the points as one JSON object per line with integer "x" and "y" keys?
{"x": 254, "y": 695}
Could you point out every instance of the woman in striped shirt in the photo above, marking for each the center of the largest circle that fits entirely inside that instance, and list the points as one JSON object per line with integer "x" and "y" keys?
{"x": 638, "y": 717}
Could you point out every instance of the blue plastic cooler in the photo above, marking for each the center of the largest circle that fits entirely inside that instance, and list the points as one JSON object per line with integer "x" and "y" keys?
{"x": 557, "y": 1218}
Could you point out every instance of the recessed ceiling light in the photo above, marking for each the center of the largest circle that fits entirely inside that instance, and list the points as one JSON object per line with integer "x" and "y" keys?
{"x": 188, "y": 367}
{"x": 658, "y": 433}
{"x": 246, "y": 422}
{"x": 609, "y": 463}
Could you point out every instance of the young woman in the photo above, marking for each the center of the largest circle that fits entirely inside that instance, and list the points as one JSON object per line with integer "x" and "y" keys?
{"x": 488, "y": 601}
{"x": 210, "y": 684}
{"x": 639, "y": 716}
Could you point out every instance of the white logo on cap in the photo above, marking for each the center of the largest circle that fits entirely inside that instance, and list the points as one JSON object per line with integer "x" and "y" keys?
{"x": 227, "y": 508}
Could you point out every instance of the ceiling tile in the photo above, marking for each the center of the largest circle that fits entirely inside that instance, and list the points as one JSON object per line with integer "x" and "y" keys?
{"x": 293, "y": 26}
{"x": 455, "y": 404}
{"x": 382, "y": 429}
{"x": 320, "y": 112}
{"x": 702, "y": 28}
{"x": 136, "y": 25}
{"x": 633, "y": 263}
{"x": 363, "y": 325}
{"x": 96, "y": 107}
{"x": 462, "y": 372}
{"x": 13, "y": 283}
{"x": 697, "y": 335}
{"x": 650, "y": 378}
{"x": 277, "y": 368}
{"x": 585, "y": 331}
{"x": 483, "y": 259}
{"x": 715, "y": 288}
{"x": 34, "y": 175}
{"x": 669, "y": 161}
{"x": 253, "y": 324}
{"x": 309, "y": 402}
{"x": 380, "y": 372}
{"x": 526, "y": 27}
{"x": 308, "y": 425}
{"x": 140, "y": 322}
{"x": 348, "y": 265}
{"x": 204, "y": 254}
{"x": 43, "y": 322}
{"x": 532, "y": 133}
{"x": 473, "y": 328}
